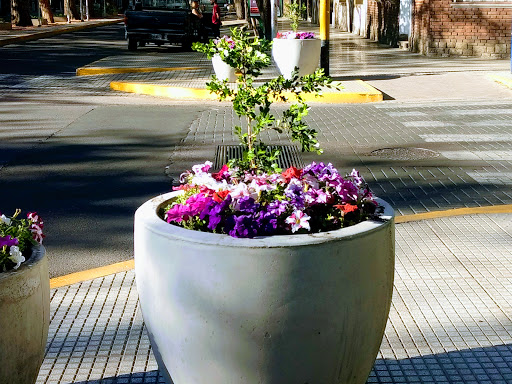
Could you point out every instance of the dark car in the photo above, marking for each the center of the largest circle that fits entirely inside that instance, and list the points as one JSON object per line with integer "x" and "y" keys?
{"x": 164, "y": 21}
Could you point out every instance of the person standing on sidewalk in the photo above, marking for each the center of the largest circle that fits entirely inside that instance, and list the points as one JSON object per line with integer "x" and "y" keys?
{"x": 215, "y": 18}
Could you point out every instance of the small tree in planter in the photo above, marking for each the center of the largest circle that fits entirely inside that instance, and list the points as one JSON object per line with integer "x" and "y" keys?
{"x": 24, "y": 298}
{"x": 253, "y": 102}
{"x": 294, "y": 12}
{"x": 260, "y": 281}
{"x": 296, "y": 49}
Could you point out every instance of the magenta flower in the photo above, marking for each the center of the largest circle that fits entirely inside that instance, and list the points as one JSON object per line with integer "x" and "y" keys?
{"x": 249, "y": 204}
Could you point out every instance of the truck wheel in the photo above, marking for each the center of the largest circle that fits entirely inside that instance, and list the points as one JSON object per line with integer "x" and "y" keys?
{"x": 187, "y": 45}
{"x": 132, "y": 44}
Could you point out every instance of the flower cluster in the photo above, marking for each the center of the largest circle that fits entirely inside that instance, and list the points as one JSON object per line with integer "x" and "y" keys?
{"x": 16, "y": 238}
{"x": 313, "y": 199}
{"x": 221, "y": 46}
{"x": 295, "y": 35}
{"x": 240, "y": 50}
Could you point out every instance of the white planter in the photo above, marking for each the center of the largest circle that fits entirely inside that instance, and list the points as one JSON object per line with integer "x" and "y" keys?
{"x": 24, "y": 319}
{"x": 223, "y": 70}
{"x": 275, "y": 310}
{"x": 289, "y": 53}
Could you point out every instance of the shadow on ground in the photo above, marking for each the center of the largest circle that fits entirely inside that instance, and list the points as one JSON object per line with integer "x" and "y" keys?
{"x": 476, "y": 365}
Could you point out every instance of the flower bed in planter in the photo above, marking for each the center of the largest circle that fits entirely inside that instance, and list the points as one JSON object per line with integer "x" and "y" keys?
{"x": 24, "y": 298}
{"x": 24, "y": 319}
{"x": 282, "y": 309}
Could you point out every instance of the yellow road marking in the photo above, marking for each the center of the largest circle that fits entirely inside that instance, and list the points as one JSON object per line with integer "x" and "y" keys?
{"x": 124, "y": 266}
{"x": 453, "y": 212}
{"x": 504, "y": 80}
{"x": 90, "y": 274}
{"x": 88, "y": 71}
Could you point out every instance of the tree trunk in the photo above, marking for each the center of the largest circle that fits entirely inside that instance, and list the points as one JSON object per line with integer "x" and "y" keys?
{"x": 46, "y": 10}
{"x": 20, "y": 13}
{"x": 266, "y": 17}
{"x": 70, "y": 10}
{"x": 240, "y": 8}
{"x": 350, "y": 14}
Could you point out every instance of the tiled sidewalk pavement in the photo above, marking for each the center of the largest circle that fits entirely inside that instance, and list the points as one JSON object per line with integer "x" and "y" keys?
{"x": 450, "y": 320}
{"x": 471, "y": 164}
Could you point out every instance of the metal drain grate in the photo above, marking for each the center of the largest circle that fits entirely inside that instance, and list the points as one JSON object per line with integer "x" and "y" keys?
{"x": 290, "y": 155}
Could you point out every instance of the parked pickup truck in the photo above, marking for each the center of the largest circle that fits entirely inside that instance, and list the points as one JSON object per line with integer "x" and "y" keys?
{"x": 164, "y": 21}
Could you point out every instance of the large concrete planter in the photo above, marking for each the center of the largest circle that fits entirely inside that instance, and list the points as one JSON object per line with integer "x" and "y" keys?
{"x": 223, "y": 71}
{"x": 277, "y": 310}
{"x": 24, "y": 319}
{"x": 291, "y": 53}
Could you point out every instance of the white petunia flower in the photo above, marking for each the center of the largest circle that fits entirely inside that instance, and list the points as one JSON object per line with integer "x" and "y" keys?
{"x": 5, "y": 219}
{"x": 16, "y": 256}
{"x": 298, "y": 220}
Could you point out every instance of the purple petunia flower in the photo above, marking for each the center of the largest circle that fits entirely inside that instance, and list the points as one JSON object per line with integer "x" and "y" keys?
{"x": 8, "y": 241}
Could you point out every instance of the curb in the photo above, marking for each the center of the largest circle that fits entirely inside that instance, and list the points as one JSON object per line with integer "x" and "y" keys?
{"x": 370, "y": 96}
{"x": 59, "y": 31}
{"x": 124, "y": 266}
{"x": 89, "y": 71}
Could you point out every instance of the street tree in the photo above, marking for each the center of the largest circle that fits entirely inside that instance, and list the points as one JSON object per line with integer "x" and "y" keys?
{"x": 265, "y": 15}
{"x": 46, "y": 10}
{"x": 20, "y": 13}
{"x": 240, "y": 9}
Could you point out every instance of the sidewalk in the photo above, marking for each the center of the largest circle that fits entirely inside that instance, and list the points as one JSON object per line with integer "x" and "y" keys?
{"x": 368, "y": 72}
{"x": 22, "y": 34}
{"x": 450, "y": 319}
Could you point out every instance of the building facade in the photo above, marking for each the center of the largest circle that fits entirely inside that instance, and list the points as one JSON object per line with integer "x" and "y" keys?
{"x": 473, "y": 28}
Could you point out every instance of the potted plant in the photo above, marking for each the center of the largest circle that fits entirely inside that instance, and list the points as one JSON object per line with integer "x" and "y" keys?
{"x": 252, "y": 274}
{"x": 296, "y": 49}
{"x": 224, "y": 53}
{"x": 24, "y": 298}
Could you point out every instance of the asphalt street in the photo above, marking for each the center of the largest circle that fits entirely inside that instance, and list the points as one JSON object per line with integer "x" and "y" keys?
{"x": 86, "y": 157}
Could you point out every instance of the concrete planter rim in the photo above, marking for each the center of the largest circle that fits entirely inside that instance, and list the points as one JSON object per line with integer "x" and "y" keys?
{"x": 38, "y": 252}
{"x": 147, "y": 213}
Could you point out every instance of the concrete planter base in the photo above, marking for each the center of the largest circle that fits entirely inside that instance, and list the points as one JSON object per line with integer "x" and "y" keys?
{"x": 223, "y": 70}
{"x": 291, "y": 53}
{"x": 275, "y": 310}
{"x": 24, "y": 319}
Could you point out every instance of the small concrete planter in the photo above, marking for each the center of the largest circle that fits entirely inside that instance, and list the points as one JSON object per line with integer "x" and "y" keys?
{"x": 24, "y": 319}
{"x": 223, "y": 70}
{"x": 275, "y": 310}
{"x": 291, "y": 53}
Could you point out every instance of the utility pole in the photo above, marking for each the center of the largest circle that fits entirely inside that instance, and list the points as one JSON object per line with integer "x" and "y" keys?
{"x": 324, "y": 34}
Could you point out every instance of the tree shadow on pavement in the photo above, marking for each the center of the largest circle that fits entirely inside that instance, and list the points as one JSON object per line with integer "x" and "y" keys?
{"x": 475, "y": 365}
{"x": 88, "y": 180}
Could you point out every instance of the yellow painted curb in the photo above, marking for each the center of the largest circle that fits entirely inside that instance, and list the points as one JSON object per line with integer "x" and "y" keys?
{"x": 88, "y": 71}
{"x": 453, "y": 212}
{"x": 373, "y": 95}
{"x": 503, "y": 80}
{"x": 162, "y": 90}
{"x": 124, "y": 266}
{"x": 90, "y": 274}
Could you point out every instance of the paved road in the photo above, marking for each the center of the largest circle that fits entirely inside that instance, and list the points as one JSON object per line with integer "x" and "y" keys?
{"x": 82, "y": 157}
{"x": 86, "y": 157}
